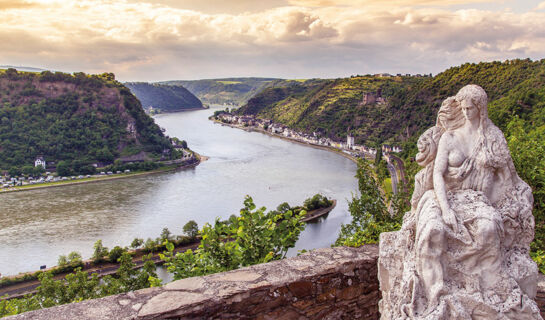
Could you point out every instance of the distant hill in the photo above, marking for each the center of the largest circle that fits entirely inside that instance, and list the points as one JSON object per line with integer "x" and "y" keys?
{"x": 91, "y": 118}
{"x": 334, "y": 106}
{"x": 22, "y": 68}
{"x": 226, "y": 91}
{"x": 164, "y": 97}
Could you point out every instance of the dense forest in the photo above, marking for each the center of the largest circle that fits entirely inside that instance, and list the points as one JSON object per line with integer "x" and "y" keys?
{"x": 516, "y": 95}
{"x": 227, "y": 91}
{"x": 164, "y": 98}
{"x": 79, "y": 117}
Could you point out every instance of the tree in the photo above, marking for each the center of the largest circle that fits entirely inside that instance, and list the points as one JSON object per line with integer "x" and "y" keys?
{"x": 74, "y": 257}
{"x": 166, "y": 235}
{"x": 370, "y": 216}
{"x": 100, "y": 252}
{"x": 28, "y": 170}
{"x": 62, "y": 261}
{"x": 316, "y": 202}
{"x": 254, "y": 237}
{"x": 137, "y": 243}
{"x": 191, "y": 229}
{"x": 63, "y": 169}
{"x": 115, "y": 253}
{"x": 150, "y": 245}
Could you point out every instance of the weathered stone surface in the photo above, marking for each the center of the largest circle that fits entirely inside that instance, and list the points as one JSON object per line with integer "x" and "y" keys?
{"x": 244, "y": 276}
{"x": 260, "y": 300}
{"x": 167, "y": 302}
{"x": 188, "y": 284}
{"x": 462, "y": 252}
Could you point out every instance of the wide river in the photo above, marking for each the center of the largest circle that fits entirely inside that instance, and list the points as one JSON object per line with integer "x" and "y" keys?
{"x": 38, "y": 226}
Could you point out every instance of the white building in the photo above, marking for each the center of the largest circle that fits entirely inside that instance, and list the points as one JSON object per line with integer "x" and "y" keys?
{"x": 349, "y": 142}
{"x": 39, "y": 162}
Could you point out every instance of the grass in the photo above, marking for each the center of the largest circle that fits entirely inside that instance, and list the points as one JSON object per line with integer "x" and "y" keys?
{"x": 387, "y": 186}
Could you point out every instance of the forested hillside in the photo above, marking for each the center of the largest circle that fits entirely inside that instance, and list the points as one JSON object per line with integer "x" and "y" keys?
{"x": 89, "y": 118}
{"x": 164, "y": 98}
{"x": 227, "y": 91}
{"x": 516, "y": 92}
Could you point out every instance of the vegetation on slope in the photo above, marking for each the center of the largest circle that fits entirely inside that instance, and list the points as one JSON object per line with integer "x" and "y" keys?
{"x": 63, "y": 117}
{"x": 164, "y": 98}
{"x": 228, "y": 91}
{"x": 516, "y": 91}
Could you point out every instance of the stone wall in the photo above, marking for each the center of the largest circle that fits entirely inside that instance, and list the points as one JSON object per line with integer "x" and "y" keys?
{"x": 331, "y": 283}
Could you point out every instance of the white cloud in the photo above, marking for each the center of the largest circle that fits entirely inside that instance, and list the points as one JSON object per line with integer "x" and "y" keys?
{"x": 142, "y": 41}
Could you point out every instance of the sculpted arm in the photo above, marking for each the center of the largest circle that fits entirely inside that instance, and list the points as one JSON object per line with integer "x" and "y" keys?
{"x": 440, "y": 167}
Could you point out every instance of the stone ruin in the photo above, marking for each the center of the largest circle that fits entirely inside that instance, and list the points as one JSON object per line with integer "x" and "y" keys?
{"x": 463, "y": 249}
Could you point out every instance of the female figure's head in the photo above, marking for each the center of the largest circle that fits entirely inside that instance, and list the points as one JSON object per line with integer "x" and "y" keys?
{"x": 473, "y": 102}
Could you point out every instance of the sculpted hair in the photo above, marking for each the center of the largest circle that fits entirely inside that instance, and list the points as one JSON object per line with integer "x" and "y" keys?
{"x": 450, "y": 115}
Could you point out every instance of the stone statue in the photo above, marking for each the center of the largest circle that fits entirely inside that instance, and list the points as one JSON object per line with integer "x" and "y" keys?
{"x": 463, "y": 249}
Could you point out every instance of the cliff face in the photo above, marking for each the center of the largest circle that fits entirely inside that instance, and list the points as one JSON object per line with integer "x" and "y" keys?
{"x": 164, "y": 98}
{"x": 72, "y": 117}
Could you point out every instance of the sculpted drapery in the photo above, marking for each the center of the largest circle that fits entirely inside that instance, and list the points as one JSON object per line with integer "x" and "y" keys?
{"x": 462, "y": 252}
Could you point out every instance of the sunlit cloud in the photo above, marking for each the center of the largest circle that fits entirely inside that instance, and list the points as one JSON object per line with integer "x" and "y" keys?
{"x": 540, "y": 6}
{"x": 299, "y": 38}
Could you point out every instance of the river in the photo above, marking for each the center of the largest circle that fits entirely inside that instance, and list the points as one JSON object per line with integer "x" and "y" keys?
{"x": 37, "y": 226}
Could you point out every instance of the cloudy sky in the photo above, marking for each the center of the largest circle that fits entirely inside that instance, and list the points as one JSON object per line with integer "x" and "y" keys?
{"x": 194, "y": 39}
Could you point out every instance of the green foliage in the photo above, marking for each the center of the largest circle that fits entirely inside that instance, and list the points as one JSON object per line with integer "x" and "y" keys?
{"x": 370, "y": 216}
{"x": 137, "y": 243}
{"x": 253, "y": 237}
{"x": 316, "y": 202}
{"x": 166, "y": 235}
{"x": 191, "y": 229}
{"x": 99, "y": 252}
{"x": 116, "y": 253}
{"x": 74, "y": 257}
{"x": 80, "y": 286}
{"x": 164, "y": 97}
{"x": 62, "y": 260}
{"x": 71, "y": 117}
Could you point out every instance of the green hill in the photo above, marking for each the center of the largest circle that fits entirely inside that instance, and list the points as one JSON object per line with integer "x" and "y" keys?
{"x": 516, "y": 92}
{"x": 89, "y": 118}
{"x": 227, "y": 91}
{"x": 334, "y": 106}
{"x": 164, "y": 98}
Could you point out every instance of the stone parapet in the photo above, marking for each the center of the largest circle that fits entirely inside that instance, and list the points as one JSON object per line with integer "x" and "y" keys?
{"x": 331, "y": 283}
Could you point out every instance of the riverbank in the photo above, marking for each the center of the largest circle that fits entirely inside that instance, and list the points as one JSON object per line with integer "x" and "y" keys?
{"x": 167, "y": 168}
{"x": 19, "y": 284}
{"x": 326, "y": 148}
{"x": 22, "y": 288}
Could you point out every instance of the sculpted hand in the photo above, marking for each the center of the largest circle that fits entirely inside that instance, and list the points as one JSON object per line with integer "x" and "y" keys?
{"x": 449, "y": 217}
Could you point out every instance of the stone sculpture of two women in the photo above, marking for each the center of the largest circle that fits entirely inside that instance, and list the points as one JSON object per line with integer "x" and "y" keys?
{"x": 462, "y": 252}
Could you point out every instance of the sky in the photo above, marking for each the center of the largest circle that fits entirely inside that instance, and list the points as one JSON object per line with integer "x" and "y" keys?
{"x": 196, "y": 39}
